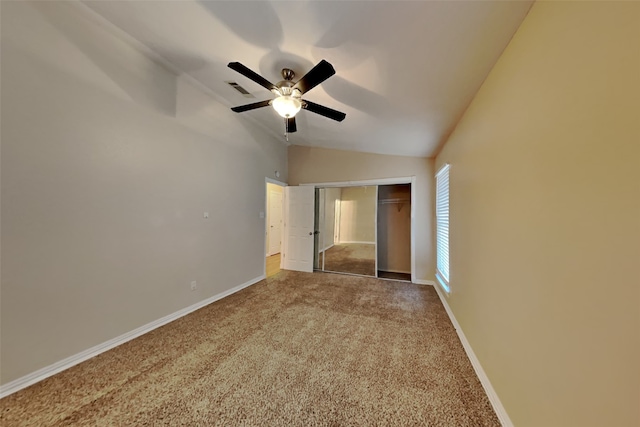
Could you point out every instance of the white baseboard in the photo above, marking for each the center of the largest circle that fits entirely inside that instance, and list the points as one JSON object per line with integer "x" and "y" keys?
{"x": 482, "y": 376}
{"x": 70, "y": 361}
{"x": 356, "y": 241}
{"x": 424, "y": 282}
{"x": 327, "y": 248}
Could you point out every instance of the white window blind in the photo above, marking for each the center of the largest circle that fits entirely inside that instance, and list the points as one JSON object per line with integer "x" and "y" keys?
{"x": 442, "y": 226}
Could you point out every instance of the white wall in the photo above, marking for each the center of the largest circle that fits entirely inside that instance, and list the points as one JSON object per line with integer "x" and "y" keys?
{"x": 545, "y": 218}
{"x": 108, "y": 163}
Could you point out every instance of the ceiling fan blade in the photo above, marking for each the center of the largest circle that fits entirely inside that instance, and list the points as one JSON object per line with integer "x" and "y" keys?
{"x": 236, "y": 66}
{"x": 253, "y": 106}
{"x": 290, "y": 124}
{"x": 323, "y": 111}
{"x": 313, "y": 78}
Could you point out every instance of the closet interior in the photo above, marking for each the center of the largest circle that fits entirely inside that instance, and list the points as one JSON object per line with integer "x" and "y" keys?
{"x": 394, "y": 232}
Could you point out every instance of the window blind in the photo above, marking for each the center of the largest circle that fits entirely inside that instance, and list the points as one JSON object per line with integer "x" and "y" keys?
{"x": 442, "y": 225}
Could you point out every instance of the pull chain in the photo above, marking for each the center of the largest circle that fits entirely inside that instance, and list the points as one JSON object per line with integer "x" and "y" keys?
{"x": 286, "y": 130}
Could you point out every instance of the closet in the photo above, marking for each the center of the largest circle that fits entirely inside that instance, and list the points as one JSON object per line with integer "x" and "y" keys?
{"x": 364, "y": 230}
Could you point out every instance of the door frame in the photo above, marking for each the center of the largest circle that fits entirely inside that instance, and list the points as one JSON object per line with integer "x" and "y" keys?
{"x": 385, "y": 181}
{"x": 268, "y": 180}
{"x": 375, "y": 235}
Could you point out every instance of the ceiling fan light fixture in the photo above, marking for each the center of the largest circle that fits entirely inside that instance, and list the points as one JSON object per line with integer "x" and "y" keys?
{"x": 287, "y": 106}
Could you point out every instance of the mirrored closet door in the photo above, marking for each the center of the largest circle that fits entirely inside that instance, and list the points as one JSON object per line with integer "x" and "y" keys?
{"x": 346, "y": 229}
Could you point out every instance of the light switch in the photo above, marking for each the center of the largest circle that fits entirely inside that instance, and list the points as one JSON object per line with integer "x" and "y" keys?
{"x": 262, "y": 215}
{"x": 206, "y": 215}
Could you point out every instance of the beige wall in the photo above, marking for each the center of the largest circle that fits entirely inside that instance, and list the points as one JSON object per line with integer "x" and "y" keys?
{"x": 332, "y": 196}
{"x": 312, "y": 165}
{"x": 108, "y": 163}
{"x": 358, "y": 215}
{"x": 394, "y": 228}
{"x": 545, "y": 218}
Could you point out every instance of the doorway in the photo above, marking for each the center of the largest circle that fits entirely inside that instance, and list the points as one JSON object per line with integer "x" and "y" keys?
{"x": 273, "y": 227}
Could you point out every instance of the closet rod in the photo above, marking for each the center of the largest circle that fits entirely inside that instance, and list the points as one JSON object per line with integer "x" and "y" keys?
{"x": 393, "y": 201}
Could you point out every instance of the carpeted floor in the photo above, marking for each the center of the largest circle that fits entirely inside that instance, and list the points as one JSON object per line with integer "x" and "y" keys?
{"x": 297, "y": 349}
{"x": 355, "y": 258}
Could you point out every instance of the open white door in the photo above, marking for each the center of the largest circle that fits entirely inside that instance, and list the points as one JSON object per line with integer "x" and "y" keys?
{"x": 298, "y": 228}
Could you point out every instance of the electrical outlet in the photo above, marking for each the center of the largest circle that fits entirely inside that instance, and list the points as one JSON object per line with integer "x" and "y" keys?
{"x": 194, "y": 285}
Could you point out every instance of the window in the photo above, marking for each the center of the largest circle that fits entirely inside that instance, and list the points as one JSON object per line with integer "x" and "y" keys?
{"x": 442, "y": 227}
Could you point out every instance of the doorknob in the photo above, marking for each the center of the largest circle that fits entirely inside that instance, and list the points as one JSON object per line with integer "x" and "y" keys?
{"x": 311, "y": 233}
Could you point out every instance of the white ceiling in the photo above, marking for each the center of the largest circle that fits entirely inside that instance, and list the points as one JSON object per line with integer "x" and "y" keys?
{"x": 405, "y": 71}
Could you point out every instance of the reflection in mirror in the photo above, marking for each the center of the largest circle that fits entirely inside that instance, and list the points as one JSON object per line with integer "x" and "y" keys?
{"x": 346, "y": 221}
{"x": 318, "y": 224}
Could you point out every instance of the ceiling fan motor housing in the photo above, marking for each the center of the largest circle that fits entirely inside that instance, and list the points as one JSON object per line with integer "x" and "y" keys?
{"x": 286, "y": 86}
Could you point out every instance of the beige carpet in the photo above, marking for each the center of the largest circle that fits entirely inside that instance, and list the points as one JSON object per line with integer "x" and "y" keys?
{"x": 355, "y": 258}
{"x": 297, "y": 349}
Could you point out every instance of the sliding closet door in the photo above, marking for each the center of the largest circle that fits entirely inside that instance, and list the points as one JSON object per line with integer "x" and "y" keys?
{"x": 319, "y": 226}
{"x": 350, "y": 230}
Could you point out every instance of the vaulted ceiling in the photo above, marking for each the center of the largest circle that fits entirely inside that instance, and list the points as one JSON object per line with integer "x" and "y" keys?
{"x": 405, "y": 71}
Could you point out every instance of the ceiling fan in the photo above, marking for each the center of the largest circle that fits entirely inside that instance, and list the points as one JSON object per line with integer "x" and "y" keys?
{"x": 289, "y": 94}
